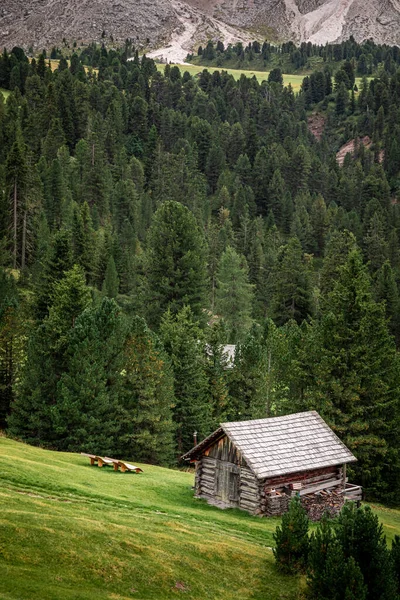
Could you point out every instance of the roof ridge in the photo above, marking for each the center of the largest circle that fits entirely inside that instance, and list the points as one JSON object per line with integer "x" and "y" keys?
{"x": 280, "y": 445}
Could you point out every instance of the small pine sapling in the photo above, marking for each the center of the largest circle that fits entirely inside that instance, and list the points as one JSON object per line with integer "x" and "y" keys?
{"x": 291, "y": 539}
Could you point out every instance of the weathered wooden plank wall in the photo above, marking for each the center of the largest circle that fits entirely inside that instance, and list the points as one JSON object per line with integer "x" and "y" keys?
{"x": 223, "y": 477}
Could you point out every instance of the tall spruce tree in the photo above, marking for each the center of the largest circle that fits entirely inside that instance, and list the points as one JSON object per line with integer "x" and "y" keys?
{"x": 291, "y": 285}
{"x": 32, "y": 413}
{"x": 234, "y": 294}
{"x": 111, "y": 280}
{"x": 85, "y": 416}
{"x": 146, "y": 398}
{"x": 184, "y": 343}
{"x": 11, "y": 342}
{"x": 176, "y": 268}
{"x": 356, "y": 372}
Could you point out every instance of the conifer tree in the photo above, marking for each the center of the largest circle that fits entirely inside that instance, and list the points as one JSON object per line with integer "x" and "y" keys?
{"x": 57, "y": 259}
{"x": 330, "y": 575}
{"x": 291, "y": 285}
{"x": 184, "y": 343}
{"x": 111, "y": 280}
{"x": 11, "y": 342}
{"x": 146, "y": 398}
{"x": 234, "y": 294}
{"x": 33, "y": 414}
{"x": 217, "y": 366}
{"x": 291, "y": 538}
{"x": 395, "y": 555}
{"x": 16, "y": 170}
{"x": 176, "y": 263}
{"x": 55, "y": 138}
{"x": 337, "y": 250}
{"x": 361, "y": 537}
{"x": 386, "y": 291}
{"x": 85, "y": 417}
{"x": 357, "y": 370}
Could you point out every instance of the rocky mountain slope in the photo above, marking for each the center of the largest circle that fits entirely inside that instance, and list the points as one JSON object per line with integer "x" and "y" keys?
{"x": 43, "y": 23}
{"x": 175, "y": 27}
{"x": 318, "y": 21}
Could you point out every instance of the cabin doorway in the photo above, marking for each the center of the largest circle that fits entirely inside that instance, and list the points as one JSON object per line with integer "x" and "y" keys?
{"x": 227, "y": 482}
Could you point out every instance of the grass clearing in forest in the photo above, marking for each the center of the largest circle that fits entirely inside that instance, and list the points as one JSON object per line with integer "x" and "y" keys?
{"x": 294, "y": 80}
{"x": 72, "y": 531}
{"x": 5, "y": 93}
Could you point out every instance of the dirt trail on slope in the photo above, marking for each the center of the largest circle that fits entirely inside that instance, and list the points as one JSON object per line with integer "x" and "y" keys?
{"x": 195, "y": 27}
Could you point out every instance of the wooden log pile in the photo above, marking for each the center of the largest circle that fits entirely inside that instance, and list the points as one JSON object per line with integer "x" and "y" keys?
{"x": 274, "y": 505}
{"x": 317, "y": 503}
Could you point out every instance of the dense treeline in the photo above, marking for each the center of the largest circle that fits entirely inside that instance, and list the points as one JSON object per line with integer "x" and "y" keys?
{"x": 365, "y": 58}
{"x": 149, "y": 219}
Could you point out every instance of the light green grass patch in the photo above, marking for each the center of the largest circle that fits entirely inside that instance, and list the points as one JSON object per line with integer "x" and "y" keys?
{"x": 5, "y": 93}
{"x": 69, "y": 530}
{"x": 75, "y": 532}
{"x": 294, "y": 80}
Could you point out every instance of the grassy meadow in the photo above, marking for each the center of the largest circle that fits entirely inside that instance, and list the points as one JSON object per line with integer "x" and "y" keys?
{"x": 76, "y": 532}
{"x": 69, "y": 530}
{"x": 294, "y": 80}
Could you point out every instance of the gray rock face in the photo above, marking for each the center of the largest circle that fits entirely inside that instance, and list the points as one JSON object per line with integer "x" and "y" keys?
{"x": 43, "y": 23}
{"x": 318, "y": 21}
{"x": 154, "y": 23}
{"x": 306, "y": 6}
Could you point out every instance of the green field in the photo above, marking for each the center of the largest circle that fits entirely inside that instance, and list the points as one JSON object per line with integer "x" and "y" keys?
{"x": 5, "y": 93}
{"x": 72, "y": 531}
{"x": 295, "y": 80}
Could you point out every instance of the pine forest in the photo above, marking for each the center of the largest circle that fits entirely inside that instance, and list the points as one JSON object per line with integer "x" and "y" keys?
{"x": 150, "y": 218}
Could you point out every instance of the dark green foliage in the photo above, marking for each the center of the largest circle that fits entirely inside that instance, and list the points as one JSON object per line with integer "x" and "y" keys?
{"x": 10, "y": 342}
{"x": 86, "y": 413}
{"x": 234, "y": 294}
{"x": 111, "y": 280}
{"x": 183, "y": 341}
{"x": 291, "y": 538}
{"x": 332, "y": 576}
{"x": 176, "y": 263}
{"x": 395, "y": 554}
{"x": 356, "y": 372}
{"x": 33, "y": 411}
{"x": 361, "y": 537}
{"x": 146, "y": 398}
{"x": 291, "y": 285}
{"x": 160, "y": 188}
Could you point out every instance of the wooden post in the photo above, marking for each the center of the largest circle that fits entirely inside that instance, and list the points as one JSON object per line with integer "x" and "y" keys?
{"x": 344, "y": 476}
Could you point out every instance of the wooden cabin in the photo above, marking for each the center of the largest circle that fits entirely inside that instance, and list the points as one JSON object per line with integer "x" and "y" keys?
{"x": 258, "y": 465}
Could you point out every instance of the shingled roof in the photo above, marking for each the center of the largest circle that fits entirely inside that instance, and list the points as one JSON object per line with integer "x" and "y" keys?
{"x": 282, "y": 445}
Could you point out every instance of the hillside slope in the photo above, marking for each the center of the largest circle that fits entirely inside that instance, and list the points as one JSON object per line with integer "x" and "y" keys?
{"x": 72, "y": 531}
{"x": 43, "y": 23}
{"x": 180, "y": 25}
{"x": 68, "y": 530}
{"x": 318, "y": 21}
